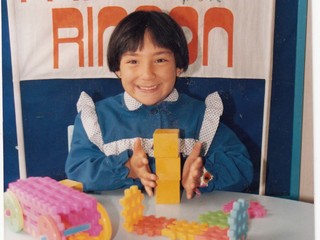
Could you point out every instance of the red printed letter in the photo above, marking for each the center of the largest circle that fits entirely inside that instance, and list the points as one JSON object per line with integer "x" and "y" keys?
{"x": 148, "y": 8}
{"x": 90, "y": 36}
{"x": 67, "y": 18}
{"x": 108, "y": 16}
{"x": 188, "y": 17}
{"x": 218, "y": 17}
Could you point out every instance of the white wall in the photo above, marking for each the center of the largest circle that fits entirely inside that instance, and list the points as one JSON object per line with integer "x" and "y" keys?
{"x": 306, "y": 181}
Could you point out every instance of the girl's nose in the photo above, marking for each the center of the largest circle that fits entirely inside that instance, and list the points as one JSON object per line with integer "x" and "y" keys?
{"x": 147, "y": 71}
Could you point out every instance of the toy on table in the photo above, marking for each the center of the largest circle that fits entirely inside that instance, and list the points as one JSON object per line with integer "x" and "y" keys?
{"x": 212, "y": 226}
{"x": 255, "y": 210}
{"x": 132, "y": 207}
{"x": 168, "y": 165}
{"x": 238, "y": 220}
{"x": 181, "y": 229}
{"x": 152, "y": 225}
{"x": 72, "y": 184}
{"x": 217, "y": 218}
{"x": 49, "y": 210}
{"x": 235, "y": 228}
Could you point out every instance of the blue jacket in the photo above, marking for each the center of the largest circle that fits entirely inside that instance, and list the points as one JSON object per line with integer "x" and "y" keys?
{"x": 104, "y": 134}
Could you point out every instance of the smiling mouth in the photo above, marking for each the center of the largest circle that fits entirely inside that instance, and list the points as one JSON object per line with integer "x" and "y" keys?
{"x": 148, "y": 88}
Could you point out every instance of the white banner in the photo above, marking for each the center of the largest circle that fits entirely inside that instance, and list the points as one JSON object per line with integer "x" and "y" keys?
{"x": 68, "y": 39}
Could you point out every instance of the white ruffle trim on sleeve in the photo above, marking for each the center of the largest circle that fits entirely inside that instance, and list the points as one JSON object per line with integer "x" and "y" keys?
{"x": 89, "y": 119}
{"x": 214, "y": 109}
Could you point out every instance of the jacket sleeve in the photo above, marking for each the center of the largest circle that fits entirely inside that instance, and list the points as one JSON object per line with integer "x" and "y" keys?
{"x": 86, "y": 163}
{"x": 228, "y": 162}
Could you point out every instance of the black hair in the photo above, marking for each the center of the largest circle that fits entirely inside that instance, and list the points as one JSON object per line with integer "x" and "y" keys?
{"x": 129, "y": 35}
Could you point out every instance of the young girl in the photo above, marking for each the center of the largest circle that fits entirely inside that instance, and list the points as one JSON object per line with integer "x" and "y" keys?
{"x": 112, "y": 140}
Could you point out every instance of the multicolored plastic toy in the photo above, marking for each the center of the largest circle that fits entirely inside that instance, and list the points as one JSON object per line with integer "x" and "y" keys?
{"x": 238, "y": 220}
{"x": 219, "y": 225}
{"x": 49, "y": 210}
{"x": 255, "y": 210}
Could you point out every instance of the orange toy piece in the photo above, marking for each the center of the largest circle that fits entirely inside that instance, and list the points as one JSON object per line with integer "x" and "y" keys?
{"x": 151, "y": 225}
{"x": 184, "y": 230}
{"x": 213, "y": 233}
{"x": 72, "y": 184}
{"x": 168, "y": 165}
{"x": 168, "y": 168}
{"x": 168, "y": 192}
{"x": 132, "y": 207}
{"x": 166, "y": 143}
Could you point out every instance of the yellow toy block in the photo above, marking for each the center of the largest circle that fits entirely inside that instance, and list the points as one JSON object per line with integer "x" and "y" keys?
{"x": 168, "y": 165}
{"x": 167, "y": 192}
{"x": 168, "y": 168}
{"x": 183, "y": 230}
{"x": 132, "y": 207}
{"x": 72, "y": 184}
{"x": 166, "y": 143}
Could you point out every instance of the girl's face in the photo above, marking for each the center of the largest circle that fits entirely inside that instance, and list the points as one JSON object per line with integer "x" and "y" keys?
{"x": 148, "y": 74}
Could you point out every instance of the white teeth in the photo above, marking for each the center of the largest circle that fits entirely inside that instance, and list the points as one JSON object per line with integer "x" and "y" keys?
{"x": 147, "y": 88}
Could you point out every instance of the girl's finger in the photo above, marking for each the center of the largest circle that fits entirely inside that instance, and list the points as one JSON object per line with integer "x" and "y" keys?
{"x": 189, "y": 193}
{"x": 149, "y": 191}
{"x": 196, "y": 150}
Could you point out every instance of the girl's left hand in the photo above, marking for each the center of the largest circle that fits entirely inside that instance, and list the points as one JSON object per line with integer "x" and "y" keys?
{"x": 139, "y": 168}
{"x": 192, "y": 171}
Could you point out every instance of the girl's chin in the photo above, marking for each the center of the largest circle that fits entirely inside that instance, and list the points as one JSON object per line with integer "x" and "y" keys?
{"x": 149, "y": 98}
{"x": 150, "y": 101}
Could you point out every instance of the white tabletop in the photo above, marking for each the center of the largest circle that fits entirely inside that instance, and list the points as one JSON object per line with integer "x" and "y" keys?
{"x": 286, "y": 219}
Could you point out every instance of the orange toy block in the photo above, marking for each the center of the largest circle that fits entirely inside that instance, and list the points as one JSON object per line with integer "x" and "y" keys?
{"x": 168, "y": 168}
{"x": 182, "y": 229}
{"x": 133, "y": 208}
{"x": 152, "y": 225}
{"x": 167, "y": 192}
{"x": 72, "y": 184}
{"x": 213, "y": 233}
{"x": 166, "y": 143}
{"x": 168, "y": 165}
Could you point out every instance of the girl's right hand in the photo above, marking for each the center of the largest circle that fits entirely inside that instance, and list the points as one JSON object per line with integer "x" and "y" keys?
{"x": 138, "y": 166}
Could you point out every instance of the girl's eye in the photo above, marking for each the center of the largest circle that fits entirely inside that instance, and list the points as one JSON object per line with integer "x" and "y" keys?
{"x": 161, "y": 60}
{"x": 132, "y": 61}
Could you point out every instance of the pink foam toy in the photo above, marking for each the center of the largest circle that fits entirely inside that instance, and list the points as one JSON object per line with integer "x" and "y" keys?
{"x": 43, "y": 196}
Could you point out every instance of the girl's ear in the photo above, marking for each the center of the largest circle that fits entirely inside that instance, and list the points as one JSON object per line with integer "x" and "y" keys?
{"x": 118, "y": 74}
{"x": 178, "y": 71}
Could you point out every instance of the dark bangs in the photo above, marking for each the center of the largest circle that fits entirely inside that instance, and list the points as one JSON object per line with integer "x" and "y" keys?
{"x": 129, "y": 36}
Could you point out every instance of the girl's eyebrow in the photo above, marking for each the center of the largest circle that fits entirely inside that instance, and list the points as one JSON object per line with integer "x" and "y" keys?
{"x": 161, "y": 52}
{"x": 129, "y": 54}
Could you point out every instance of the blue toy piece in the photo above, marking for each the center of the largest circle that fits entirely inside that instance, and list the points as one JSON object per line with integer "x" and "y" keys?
{"x": 238, "y": 220}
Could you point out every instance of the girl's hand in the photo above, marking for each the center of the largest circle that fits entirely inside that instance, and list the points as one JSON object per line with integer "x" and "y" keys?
{"x": 192, "y": 171}
{"x": 138, "y": 165}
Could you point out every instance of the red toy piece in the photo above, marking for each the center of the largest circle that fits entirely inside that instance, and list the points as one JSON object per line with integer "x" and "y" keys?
{"x": 151, "y": 225}
{"x": 255, "y": 210}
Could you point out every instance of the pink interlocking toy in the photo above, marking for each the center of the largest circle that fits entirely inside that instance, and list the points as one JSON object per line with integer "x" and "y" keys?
{"x": 49, "y": 210}
{"x": 255, "y": 210}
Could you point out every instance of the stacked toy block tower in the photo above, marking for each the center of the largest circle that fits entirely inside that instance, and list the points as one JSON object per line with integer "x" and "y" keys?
{"x": 168, "y": 164}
